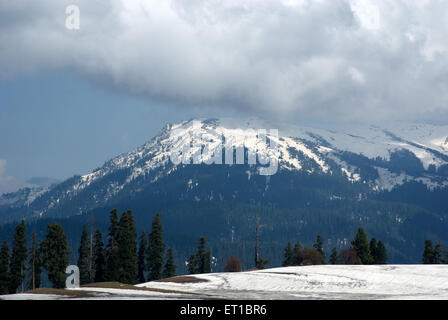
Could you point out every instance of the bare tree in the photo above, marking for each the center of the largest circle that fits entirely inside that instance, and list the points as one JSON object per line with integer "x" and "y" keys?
{"x": 233, "y": 264}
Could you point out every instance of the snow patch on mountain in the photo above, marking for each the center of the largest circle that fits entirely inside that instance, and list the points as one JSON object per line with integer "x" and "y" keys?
{"x": 298, "y": 148}
{"x": 388, "y": 180}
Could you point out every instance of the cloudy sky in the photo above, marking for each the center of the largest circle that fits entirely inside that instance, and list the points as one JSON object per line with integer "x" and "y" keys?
{"x": 73, "y": 98}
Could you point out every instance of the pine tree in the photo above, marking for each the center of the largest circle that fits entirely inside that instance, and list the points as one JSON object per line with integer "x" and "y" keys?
{"x": 381, "y": 255}
{"x": 169, "y": 270}
{"x": 35, "y": 264}
{"x": 373, "y": 248}
{"x": 91, "y": 253}
{"x": 18, "y": 259}
{"x": 156, "y": 249}
{"x": 261, "y": 263}
{"x": 4, "y": 268}
{"x": 297, "y": 254}
{"x": 127, "y": 249}
{"x": 428, "y": 253}
{"x": 142, "y": 251}
{"x": 361, "y": 246}
{"x": 206, "y": 264}
{"x": 192, "y": 263}
{"x": 203, "y": 264}
{"x": 55, "y": 254}
{"x": 99, "y": 258}
{"x": 288, "y": 256}
{"x": 318, "y": 245}
{"x": 199, "y": 262}
{"x": 334, "y": 256}
{"x": 445, "y": 259}
{"x": 83, "y": 258}
{"x": 437, "y": 254}
{"x": 112, "y": 249}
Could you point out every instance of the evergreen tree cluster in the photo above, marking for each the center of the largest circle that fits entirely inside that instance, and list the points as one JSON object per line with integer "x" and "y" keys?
{"x": 120, "y": 260}
{"x": 200, "y": 261}
{"x": 127, "y": 262}
{"x": 22, "y": 267}
{"x": 433, "y": 255}
{"x": 300, "y": 256}
{"x": 361, "y": 252}
{"x": 91, "y": 259}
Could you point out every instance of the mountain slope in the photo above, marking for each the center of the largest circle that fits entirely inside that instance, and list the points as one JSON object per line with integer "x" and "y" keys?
{"x": 392, "y": 181}
{"x": 363, "y": 160}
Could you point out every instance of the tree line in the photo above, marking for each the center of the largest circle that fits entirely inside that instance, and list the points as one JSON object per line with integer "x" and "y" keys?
{"x": 127, "y": 259}
{"x": 122, "y": 259}
{"x": 23, "y": 266}
{"x": 118, "y": 260}
{"x": 361, "y": 251}
{"x": 433, "y": 255}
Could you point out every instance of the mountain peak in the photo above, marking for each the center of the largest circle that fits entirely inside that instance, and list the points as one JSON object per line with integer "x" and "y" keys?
{"x": 378, "y": 159}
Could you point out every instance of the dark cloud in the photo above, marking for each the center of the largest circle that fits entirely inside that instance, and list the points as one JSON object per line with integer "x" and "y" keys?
{"x": 346, "y": 60}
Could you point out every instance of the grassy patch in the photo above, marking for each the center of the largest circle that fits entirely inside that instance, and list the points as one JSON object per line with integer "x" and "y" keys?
{"x": 118, "y": 285}
{"x": 62, "y": 292}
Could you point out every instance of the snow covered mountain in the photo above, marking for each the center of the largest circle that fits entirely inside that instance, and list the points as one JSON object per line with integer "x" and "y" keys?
{"x": 356, "y": 162}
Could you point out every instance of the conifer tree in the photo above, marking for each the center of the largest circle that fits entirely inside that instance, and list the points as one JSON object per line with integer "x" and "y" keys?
{"x": 4, "y": 268}
{"x": 199, "y": 262}
{"x": 112, "y": 249}
{"x": 192, "y": 263}
{"x": 288, "y": 256}
{"x": 169, "y": 270}
{"x": 83, "y": 258}
{"x": 91, "y": 252}
{"x": 381, "y": 255}
{"x": 428, "y": 253}
{"x": 334, "y": 256}
{"x": 298, "y": 254}
{"x": 127, "y": 249}
{"x": 373, "y": 248}
{"x": 361, "y": 246}
{"x": 203, "y": 264}
{"x": 261, "y": 263}
{"x": 35, "y": 264}
{"x": 206, "y": 264}
{"x": 99, "y": 258}
{"x": 437, "y": 254}
{"x": 142, "y": 251}
{"x": 18, "y": 259}
{"x": 156, "y": 249}
{"x": 55, "y": 254}
{"x": 318, "y": 245}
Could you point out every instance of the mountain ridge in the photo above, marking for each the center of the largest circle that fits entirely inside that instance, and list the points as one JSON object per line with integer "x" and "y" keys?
{"x": 366, "y": 155}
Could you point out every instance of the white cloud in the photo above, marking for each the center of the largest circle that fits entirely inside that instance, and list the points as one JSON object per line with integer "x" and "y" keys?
{"x": 291, "y": 58}
{"x": 356, "y": 75}
{"x": 7, "y": 183}
{"x": 367, "y": 14}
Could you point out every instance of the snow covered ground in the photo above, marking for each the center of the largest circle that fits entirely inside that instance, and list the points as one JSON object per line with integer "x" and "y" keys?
{"x": 307, "y": 282}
